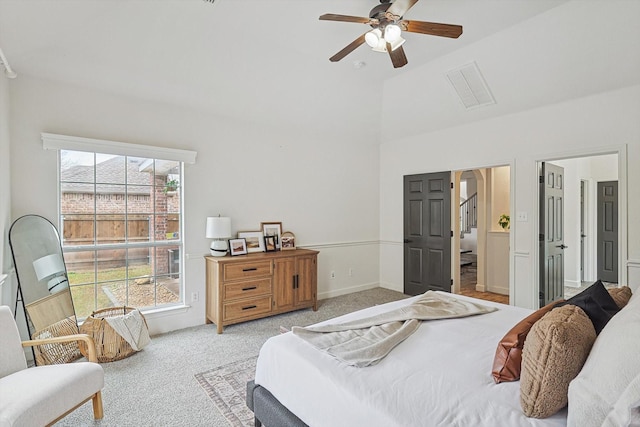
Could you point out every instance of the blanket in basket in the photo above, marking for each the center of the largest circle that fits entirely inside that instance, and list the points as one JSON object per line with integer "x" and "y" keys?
{"x": 132, "y": 328}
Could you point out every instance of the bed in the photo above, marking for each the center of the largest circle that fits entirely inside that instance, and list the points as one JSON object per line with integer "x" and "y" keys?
{"x": 439, "y": 376}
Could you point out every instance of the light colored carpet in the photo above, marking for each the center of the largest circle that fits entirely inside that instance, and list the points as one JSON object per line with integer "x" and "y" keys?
{"x": 157, "y": 386}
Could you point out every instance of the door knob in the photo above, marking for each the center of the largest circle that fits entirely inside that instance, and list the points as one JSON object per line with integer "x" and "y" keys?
{"x": 407, "y": 240}
{"x": 562, "y": 246}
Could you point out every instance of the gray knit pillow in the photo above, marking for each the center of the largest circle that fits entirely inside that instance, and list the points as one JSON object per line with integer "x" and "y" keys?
{"x": 553, "y": 354}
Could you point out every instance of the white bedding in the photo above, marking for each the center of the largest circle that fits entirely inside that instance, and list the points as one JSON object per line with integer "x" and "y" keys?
{"x": 439, "y": 376}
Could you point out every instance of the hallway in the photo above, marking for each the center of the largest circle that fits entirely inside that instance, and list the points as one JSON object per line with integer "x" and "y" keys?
{"x": 468, "y": 272}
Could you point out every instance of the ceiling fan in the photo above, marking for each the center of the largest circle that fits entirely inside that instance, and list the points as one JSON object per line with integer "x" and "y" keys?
{"x": 387, "y": 22}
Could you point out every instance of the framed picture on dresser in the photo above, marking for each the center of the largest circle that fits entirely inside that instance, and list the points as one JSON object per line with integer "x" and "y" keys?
{"x": 272, "y": 229}
{"x": 237, "y": 247}
{"x": 288, "y": 241}
{"x": 270, "y": 244}
{"x": 255, "y": 240}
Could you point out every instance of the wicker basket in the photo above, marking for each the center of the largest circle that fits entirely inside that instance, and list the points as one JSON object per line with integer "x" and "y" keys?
{"x": 57, "y": 353}
{"x": 110, "y": 346}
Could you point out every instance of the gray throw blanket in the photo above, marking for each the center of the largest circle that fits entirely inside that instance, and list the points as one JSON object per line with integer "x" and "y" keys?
{"x": 365, "y": 342}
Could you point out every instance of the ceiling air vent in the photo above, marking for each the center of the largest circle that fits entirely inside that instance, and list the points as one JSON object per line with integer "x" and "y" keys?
{"x": 470, "y": 86}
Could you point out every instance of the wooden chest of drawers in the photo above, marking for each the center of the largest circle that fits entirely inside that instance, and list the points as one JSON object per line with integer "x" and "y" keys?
{"x": 253, "y": 286}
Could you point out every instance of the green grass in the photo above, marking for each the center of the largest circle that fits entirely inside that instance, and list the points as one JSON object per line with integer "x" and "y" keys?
{"x": 83, "y": 286}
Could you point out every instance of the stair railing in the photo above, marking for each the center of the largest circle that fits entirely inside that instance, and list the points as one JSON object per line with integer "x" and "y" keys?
{"x": 469, "y": 214}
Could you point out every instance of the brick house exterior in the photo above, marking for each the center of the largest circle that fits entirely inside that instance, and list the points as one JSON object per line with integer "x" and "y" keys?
{"x": 109, "y": 199}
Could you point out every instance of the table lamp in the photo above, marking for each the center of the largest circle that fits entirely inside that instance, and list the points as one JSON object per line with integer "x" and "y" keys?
{"x": 51, "y": 267}
{"x": 218, "y": 229}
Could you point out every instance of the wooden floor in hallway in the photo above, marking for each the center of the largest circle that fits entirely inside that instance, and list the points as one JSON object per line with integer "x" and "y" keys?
{"x": 468, "y": 281}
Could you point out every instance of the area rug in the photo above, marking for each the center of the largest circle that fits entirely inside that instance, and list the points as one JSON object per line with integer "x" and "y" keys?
{"x": 226, "y": 386}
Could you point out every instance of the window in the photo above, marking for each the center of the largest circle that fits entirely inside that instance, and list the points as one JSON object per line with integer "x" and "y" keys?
{"x": 120, "y": 222}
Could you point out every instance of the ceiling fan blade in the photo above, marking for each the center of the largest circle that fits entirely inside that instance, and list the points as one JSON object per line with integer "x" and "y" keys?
{"x": 400, "y": 7}
{"x": 348, "y": 49}
{"x": 398, "y": 58}
{"x": 344, "y": 18}
{"x": 432, "y": 28}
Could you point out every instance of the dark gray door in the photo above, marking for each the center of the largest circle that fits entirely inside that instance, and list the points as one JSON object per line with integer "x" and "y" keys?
{"x": 582, "y": 229}
{"x": 608, "y": 231}
{"x": 427, "y": 233}
{"x": 551, "y": 233}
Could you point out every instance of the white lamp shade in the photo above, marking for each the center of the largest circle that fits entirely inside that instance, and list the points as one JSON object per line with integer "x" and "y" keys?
{"x": 218, "y": 227}
{"x": 373, "y": 37}
{"x": 48, "y": 266}
{"x": 381, "y": 46}
{"x": 392, "y": 33}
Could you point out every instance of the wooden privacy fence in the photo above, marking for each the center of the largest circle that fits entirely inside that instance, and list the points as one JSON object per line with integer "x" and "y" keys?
{"x": 79, "y": 230}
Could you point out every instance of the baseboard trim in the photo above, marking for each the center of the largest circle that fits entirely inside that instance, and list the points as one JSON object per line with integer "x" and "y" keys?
{"x": 498, "y": 290}
{"x": 345, "y": 291}
{"x": 572, "y": 283}
{"x": 392, "y": 286}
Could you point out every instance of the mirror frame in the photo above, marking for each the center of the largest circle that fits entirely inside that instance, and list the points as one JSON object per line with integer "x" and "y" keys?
{"x": 46, "y": 306}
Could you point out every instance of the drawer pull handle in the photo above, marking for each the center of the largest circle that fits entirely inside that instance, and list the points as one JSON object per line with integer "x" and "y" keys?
{"x": 250, "y": 269}
{"x": 249, "y": 307}
{"x": 250, "y": 288}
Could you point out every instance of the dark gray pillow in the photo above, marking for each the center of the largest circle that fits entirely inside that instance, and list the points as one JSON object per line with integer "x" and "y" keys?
{"x": 597, "y": 303}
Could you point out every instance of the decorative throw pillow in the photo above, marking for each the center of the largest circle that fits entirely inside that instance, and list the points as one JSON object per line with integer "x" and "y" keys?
{"x": 608, "y": 386}
{"x": 621, "y": 295}
{"x": 508, "y": 358}
{"x": 556, "y": 348}
{"x": 596, "y": 303}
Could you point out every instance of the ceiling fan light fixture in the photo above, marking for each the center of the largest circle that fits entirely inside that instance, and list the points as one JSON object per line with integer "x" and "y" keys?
{"x": 381, "y": 46}
{"x": 386, "y": 25}
{"x": 397, "y": 43}
{"x": 373, "y": 37}
{"x": 392, "y": 33}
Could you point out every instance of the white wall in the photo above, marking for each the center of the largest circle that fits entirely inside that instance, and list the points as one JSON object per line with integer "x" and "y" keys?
{"x": 596, "y": 124}
{"x": 500, "y": 197}
{"x": 6, "y": 296}
{"x": 497, "y": 239}
{"x": 497, "y": 256}
{"x": 592, "y": 170}
{"x": 325, "y": 191}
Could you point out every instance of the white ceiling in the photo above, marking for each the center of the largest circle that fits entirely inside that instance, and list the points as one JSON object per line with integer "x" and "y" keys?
{"x": 266, "y": 61}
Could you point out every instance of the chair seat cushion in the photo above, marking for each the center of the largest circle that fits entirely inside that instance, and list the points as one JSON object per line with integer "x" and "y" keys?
{"x": 37, "y": 396}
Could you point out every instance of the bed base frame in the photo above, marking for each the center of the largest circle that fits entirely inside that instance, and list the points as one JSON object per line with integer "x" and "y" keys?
{"x": 268, "y": 410}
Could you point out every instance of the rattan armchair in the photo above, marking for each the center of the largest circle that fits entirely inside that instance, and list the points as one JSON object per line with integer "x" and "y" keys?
{"x": 42, "y": 395}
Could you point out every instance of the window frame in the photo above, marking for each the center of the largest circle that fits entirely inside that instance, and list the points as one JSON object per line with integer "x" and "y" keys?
{"x": 96, "y": 147}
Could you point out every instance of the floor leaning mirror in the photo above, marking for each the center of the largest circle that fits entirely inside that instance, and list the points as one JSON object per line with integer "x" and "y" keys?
{"x": 43, "y": 287}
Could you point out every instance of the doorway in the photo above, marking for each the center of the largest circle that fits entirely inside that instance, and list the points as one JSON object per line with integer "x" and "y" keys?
{"x": 468, "y": 236}
{"x": 552, "y": 234}
{"x": 582, "y": 176}
{"x": 607, "y": 231}
{"x": 433, "y": 230}
{"x": 427, "y": 233}
{"x": 481, "y": 246}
